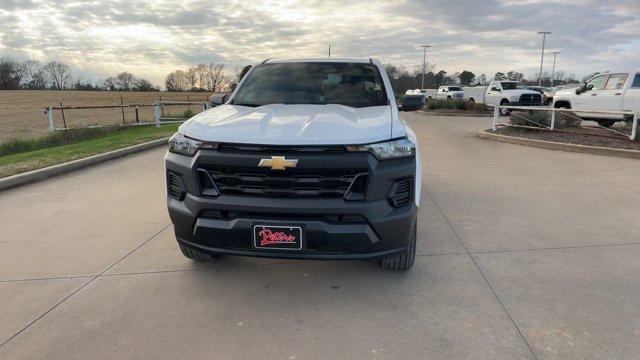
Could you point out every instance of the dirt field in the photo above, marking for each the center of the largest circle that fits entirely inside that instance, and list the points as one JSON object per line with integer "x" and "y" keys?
{"x": 22, "y": 111}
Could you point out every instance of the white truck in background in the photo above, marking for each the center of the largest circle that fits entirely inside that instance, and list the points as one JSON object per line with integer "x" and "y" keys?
{"x": 449, "y": 92}
{"x": 618, "y": 91}
{"x": 510, "y": 93}
{"x": 442, "y": 93}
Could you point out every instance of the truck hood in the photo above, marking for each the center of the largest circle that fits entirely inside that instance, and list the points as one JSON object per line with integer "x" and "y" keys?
{"x": 279, "y": 124}
{"x": 514, "y": 92}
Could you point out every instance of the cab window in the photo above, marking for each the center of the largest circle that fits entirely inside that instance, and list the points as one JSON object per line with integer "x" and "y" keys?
{"x": 616, "y": 82}
{"x": 636, "y": 82}
{"x": 596, "y": 83}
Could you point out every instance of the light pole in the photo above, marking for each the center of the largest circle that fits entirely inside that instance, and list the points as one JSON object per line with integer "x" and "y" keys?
{"x": 553, "y": 72}
{"x": 544, "y": 36}
{"x": 424, "y": 62}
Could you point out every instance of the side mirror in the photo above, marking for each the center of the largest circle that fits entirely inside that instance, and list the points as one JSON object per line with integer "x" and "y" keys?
{"x": 582, "y": 88}
{"x": 218, "y": 99}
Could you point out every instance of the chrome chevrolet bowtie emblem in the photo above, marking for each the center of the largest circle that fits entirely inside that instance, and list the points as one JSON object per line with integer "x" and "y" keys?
{"x": 278, "y": 163}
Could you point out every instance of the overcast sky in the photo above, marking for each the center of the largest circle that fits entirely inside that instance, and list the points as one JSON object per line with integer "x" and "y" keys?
{"x": 152, "y": 38}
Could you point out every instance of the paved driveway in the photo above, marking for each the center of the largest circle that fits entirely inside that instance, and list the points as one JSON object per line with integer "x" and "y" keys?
{"x": 524, "y": 253}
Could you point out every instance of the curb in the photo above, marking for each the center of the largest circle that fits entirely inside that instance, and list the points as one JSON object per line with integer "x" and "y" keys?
{"x": 460, "y": 114}
{"x": 55, "y": 170}
{"x": 586, "y": 149}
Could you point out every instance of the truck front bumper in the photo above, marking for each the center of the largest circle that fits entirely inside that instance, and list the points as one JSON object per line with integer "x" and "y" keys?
{"x": 332, "y": 228}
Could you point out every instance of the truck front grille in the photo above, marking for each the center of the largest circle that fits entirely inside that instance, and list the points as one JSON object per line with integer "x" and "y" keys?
{"x": 298, "y": 183}
{"x": 530, "y": 99}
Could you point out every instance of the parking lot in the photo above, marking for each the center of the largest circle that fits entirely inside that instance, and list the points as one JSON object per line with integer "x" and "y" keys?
{"x": 523, "y": 253}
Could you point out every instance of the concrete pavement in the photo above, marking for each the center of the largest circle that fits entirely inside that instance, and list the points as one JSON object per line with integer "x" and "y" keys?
{"x": 524, "y": 253}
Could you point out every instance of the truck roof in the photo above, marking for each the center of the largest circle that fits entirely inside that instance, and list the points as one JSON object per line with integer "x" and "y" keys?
{"x": 329, "y": 60}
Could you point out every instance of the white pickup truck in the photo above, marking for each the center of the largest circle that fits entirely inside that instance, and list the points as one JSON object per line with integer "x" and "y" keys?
{"x": 450, "y": 92}
{"x": 618, "y": 91}
{"x": 510, "y": 93}
{"x": 442, "y": 93}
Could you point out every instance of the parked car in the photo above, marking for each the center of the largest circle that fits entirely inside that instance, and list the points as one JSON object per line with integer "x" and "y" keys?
{"x": 609, "y": 91}
{"x": 307, "y": 159}
{"x": 511, "y": 93}
{"x": 422, "y": 92}
{"x": 412, "y": 102}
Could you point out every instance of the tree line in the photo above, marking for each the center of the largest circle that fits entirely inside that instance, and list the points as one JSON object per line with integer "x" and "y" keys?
{"x": 56, "y": 75}
{"x": 403, "y": 79}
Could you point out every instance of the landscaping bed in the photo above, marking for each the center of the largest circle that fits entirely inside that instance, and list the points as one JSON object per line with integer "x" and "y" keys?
{"x": 576, "y": 136}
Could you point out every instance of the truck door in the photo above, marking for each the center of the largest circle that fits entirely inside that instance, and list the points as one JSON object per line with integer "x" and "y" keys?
{"x": 612, "y": 96}
{"x": 494, "y": 91}
{"x": 632, "y": 95}
{"x": 586, "y": 100}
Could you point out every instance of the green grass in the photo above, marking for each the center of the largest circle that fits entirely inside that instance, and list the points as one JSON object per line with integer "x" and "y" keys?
{"x": 39, "y": 152}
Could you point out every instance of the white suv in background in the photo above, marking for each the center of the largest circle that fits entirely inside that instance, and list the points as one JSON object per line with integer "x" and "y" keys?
{"x": 607, "y": 92}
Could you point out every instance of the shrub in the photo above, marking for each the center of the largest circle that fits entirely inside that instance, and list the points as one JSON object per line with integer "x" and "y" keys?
{"x": 188, "y": 113}
{"x": 433, "y": 104}
{"x": 477, "y": 107}
{"x": 535, "y": 118}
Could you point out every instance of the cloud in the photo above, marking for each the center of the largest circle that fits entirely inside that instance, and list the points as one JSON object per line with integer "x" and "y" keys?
{"x": 152, "y": 38}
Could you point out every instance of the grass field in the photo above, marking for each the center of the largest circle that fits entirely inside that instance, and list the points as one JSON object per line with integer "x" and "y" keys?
{"x": 91, "y": 144}
{"x": 22, "y": 111}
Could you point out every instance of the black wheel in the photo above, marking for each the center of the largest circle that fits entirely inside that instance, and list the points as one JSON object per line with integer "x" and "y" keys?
{"x": 606, "y": 123}
{"x": 194, "y": 254}
{"x": 504, "y": 112}
{"x": 403, "y": 261}
{"x": 471, "y": 100}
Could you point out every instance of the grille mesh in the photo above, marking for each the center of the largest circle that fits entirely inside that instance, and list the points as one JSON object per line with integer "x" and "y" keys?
{"x": 323, "y": 183}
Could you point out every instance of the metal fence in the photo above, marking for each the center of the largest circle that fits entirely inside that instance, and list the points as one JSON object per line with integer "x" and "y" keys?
{"x": 570, "y": 113}
{"x": 158, "y": 113}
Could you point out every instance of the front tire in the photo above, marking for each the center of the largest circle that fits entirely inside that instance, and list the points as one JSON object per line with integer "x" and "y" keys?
{"x": 195, "y": 255}
{"x": 403, "y": 261}
{"x": 504, "y": 112}
{"x": 606, "y": 123}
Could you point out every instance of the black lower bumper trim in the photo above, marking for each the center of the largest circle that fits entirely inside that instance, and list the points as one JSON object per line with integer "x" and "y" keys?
{"x": 291, "y": 255}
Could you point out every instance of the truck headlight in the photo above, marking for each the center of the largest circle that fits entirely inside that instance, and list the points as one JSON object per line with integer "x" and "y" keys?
{"x": 515, "y": 98}
{"x": 181, "y": 144}
{"x": 393, "y": 149}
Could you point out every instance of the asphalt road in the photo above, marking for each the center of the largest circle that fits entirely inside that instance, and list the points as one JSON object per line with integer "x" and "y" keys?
{"x": 524, "y": 253}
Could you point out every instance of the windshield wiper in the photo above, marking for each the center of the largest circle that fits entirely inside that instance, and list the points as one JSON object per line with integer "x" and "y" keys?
{"x": 248, "y": 104}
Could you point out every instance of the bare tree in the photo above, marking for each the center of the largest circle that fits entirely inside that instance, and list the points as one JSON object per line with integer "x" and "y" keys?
{"x": 58, "y": 73}
{"x": 177, "y": 81}
{"x": 35, "y": 77}
{"x": 11, "y": 73}
{"x": 125, "y": 81}
{"x": 192, "y": 78}
{"x": 215, "y": 80}
{"x": 109, "y": 83}
{"x": 144, "y": 85}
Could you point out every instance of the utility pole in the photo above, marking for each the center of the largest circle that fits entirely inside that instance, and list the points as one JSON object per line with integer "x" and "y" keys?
{"x": 424, "y": 62}
{"x": 544, "y": 36}
{"x": 329, "y": 50}
{"x": 553, "y": 72}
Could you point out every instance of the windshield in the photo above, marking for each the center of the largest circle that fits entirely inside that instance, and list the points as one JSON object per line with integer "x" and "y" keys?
{"x": 512, "y": 85}
{"x": 351, "y": 84}
{"x": 455, "y": 88}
